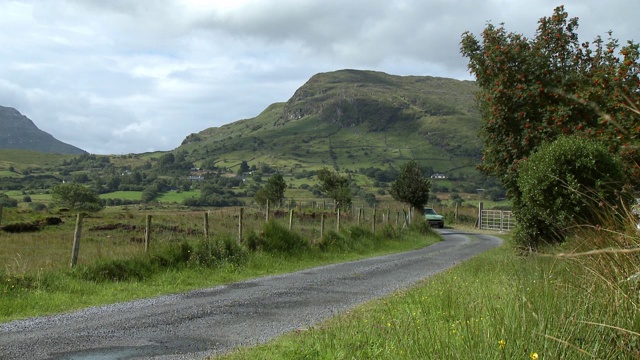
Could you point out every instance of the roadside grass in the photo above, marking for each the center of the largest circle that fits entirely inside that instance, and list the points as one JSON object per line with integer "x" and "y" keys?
{"x": 182, "y": 265}
{"x": 499, "y": 305}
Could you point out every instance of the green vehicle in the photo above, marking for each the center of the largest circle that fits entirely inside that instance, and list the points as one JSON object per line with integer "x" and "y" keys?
{"x": 433, "y": 218}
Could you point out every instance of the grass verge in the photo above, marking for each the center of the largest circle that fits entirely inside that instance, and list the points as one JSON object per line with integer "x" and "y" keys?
{"x": 496, "y": 306}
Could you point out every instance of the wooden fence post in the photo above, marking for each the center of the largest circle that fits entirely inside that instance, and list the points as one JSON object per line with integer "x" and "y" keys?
{"x": 77, "y": 234}
{"x": 266, "y": 216}
{"x": 290, "y": 219}
{"x": 0, "y": 216}
{"x": 240, "y": 225}
{"x": 455, "y": 214}
{"x": 404, "y": 213}
{"x": 338, "y": 220}
{"x": 359, "y": 214}
{"x": 373, "y": 221}
{"x": 147, "y": 233}
{"x": 321, "y": 225}
{"x": 206, "y": 225}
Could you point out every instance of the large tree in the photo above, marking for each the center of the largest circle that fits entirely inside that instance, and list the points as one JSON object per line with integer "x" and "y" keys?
{"x": 336, "y": 186}
{"x": 411, "y": 187}
{"x": 534, "y": 90}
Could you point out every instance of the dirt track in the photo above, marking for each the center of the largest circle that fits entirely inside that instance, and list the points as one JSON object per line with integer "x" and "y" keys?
{"x": 212, "y": 321}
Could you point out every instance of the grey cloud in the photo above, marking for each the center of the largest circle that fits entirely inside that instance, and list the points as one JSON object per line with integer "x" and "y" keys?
{"x": 132, "y": 76}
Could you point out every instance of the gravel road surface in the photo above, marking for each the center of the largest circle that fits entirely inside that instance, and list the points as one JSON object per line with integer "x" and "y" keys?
{"x": 212, "y": 321}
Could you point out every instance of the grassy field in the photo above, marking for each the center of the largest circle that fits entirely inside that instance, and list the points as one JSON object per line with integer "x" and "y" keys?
{"x": 113, "y": 266}
{"x": 496, "y": 306}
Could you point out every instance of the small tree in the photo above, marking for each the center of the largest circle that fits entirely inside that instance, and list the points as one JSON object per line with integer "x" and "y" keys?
{"x": 244, "y": 167}
{"x": 272, "y": 191}
{"x": 336, "y": 186}
{"x": 411, "y": 187}
{"x": 75, "y": 197}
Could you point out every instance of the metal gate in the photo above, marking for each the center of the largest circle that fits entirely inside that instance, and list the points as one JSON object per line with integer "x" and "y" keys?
{"x": 499, "y": 220}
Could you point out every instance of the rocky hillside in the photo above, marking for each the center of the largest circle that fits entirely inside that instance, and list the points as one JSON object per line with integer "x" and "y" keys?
{"x": 19, "y": 132}
{"x": 351, "y": 119}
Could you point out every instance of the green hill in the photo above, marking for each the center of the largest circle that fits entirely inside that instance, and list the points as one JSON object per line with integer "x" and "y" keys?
{"x": 353, "y": 119}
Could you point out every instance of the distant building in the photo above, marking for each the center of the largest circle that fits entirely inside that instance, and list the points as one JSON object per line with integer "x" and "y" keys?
{"x": 195, "y": 178}
{"x": 438, "y": 176}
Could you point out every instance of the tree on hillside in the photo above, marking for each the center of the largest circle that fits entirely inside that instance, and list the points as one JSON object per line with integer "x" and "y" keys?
{"x": 534, "y": 90}
{"x": 75, "y": 197}
{"x": 272, "y": 191}
{"x": 336, "y": 187}
{"x": 411, "y": 187}
{"x": 244, "y": 167}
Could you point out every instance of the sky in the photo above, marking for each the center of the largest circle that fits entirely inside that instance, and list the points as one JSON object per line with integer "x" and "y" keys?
{"x": 135, "y": 76}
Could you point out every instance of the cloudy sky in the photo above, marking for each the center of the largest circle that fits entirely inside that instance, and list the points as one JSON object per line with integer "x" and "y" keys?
{"x": 131, "y": 76}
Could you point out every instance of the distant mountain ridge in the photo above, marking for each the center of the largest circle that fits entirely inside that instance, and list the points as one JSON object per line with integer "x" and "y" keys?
{"x": 19, "y": 132}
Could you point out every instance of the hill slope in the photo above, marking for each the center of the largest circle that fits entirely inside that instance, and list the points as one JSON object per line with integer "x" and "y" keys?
{"x": 350, "y": 119}
{"x": 19, "y": 132}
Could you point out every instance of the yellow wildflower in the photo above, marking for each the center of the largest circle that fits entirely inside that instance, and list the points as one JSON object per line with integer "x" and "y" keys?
{"x": 502, "y": 344}
{"x": 534, "y": 356}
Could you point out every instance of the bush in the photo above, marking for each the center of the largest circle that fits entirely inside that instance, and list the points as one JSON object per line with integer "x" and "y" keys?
{"x": 173, "y": 255}
{"x": 211, "y": 253}
{"x": 37, "y": 206}
{"x": 6, "y": 201}
{"x": 277, "y": 238}
{"x": 564, "y": 183}
{"x": 331, "y": 240}
{"x": 421, "y": 227}
{"x": 116, "y": 270}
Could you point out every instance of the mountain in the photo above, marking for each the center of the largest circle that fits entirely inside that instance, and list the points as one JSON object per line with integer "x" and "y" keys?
{"x": 353, "y": 119}
{"x": 19, "y": 132}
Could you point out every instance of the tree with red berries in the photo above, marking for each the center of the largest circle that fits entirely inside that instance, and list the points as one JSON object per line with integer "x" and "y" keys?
{"x": 535, "y": 90}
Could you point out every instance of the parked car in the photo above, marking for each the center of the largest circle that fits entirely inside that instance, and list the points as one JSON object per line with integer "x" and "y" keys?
{"x": 433, "y": 218}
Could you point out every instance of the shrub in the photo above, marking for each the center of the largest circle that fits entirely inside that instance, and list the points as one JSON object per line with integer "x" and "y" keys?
{"x": 277, "y": 238}
{"x": 564, "y": 183}
{"x": 221, "y": 249}
{"x": 421, "y": 227}
{"x": 173, "y": 255}
{"x": 331, "y": 240}
{"x": 116, "y": 270}
{"x": 6, "y": 201}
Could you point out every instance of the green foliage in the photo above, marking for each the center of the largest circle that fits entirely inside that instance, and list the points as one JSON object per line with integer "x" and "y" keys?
{"x": 223, "y": 249}
{"x": 116, "y": 270}
{"x": 534, "y": 90}
{"x": 272, "y": 191}
{"x": 206, "y": 253}
{"x": 75, "y": 197}
{"x": 6, "y": 201}
{"x": 336, "y": 187}
{"x": 565, "y": 183}
{"x": 411, "y": 187}
{"x": 278, "y": 239}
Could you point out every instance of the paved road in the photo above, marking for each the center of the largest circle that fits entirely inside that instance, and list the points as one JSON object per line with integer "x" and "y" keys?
{"x": 212, "y": 321}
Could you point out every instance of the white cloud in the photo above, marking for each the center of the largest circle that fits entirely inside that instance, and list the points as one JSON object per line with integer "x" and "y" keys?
{"x": 124, "y": 76}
